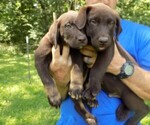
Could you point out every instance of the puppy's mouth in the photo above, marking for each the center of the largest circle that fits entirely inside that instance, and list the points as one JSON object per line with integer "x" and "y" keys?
{"x": 76, "y": 46}
{"x": 102, "y": 47}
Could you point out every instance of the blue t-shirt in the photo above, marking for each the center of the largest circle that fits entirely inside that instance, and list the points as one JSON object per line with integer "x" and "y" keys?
{"x": 135, "y": 38}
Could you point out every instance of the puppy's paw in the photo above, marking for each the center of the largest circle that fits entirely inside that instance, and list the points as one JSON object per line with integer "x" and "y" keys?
{"x": 75, "y": 91}
{"x": 91, "y": 92}
{"x": 91, "y": 121}
{"x": 53, "y": 96}
{"x": 93, "y": 88}
{"x": 122, "y": 112}
{"x": 92, "y": 103}
{"x": 87, "y": 94}
{"x": 54, "y": 101}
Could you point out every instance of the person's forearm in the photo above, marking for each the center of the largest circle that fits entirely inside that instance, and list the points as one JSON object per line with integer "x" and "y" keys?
{"x": 139, "y": 82}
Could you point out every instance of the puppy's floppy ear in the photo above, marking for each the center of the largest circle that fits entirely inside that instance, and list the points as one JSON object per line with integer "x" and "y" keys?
{"x": 118, "y": 27}
{"x": 82, "y": 17}
{"x": 54, "y": 32}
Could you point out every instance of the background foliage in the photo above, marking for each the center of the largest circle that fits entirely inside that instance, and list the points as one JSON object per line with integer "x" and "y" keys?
{"x": 22, "y": 103}
{"x": 20, "y": 18}
{"x": 135, "y": 10}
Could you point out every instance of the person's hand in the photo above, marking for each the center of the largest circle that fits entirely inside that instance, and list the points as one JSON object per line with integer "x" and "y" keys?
{"x": 89, "y": 54}
{"x": 116, "y": 63}
{"x": 60, "y": 65}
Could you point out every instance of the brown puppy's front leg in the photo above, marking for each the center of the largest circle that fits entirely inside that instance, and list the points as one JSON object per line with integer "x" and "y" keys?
{"x": 76, "y": 80}
{"x": 42, "y": 60}
{"x": 97, "y": 72}
{"x": 88, "y": 117}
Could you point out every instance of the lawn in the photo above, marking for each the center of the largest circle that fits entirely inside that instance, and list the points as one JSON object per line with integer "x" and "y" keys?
{"x": 22, "y": 102}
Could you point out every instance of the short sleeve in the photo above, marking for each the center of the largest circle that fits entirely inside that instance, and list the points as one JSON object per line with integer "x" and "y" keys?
{"x": 135, "y": 38}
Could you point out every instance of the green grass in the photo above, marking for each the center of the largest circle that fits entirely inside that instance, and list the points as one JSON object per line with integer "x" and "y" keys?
{"x": 22, "y": 103}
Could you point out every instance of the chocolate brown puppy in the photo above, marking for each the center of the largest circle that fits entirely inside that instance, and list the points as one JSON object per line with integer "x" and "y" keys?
{"x": 102, "y": 26}
{"x": 64, "y": 32}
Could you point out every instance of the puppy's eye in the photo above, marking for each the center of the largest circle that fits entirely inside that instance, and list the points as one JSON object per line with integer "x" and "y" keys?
{"x": 68, "y": 25}
{"x": 111, "y": 22}
{"x": 93, "y": 22}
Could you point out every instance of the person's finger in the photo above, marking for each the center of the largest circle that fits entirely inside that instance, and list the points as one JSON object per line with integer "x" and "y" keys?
{"x": 69, "y": 61}
{"x": 65, "y": 52}
{"x": 89, "y": 60}
{"x": 88, "y": 51}
{"x": 89, "y": 65}
{"x": 55, "y": 52}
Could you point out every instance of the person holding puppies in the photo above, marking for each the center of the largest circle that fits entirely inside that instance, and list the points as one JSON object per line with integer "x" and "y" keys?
{"x": 137, "y": 42}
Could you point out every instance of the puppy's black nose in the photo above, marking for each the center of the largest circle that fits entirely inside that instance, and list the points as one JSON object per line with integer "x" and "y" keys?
{"x": 103, "y": 39}
{"x": 82, "y": 40}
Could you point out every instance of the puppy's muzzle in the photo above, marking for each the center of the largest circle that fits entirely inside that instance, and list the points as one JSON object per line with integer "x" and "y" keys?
{"x": 103, "y": 39}
{"x": 82, "y": 40}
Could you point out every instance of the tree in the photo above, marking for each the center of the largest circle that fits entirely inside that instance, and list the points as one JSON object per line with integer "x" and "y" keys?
{"x": 135, "y": 10}
{"x": 20, "y": 18}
